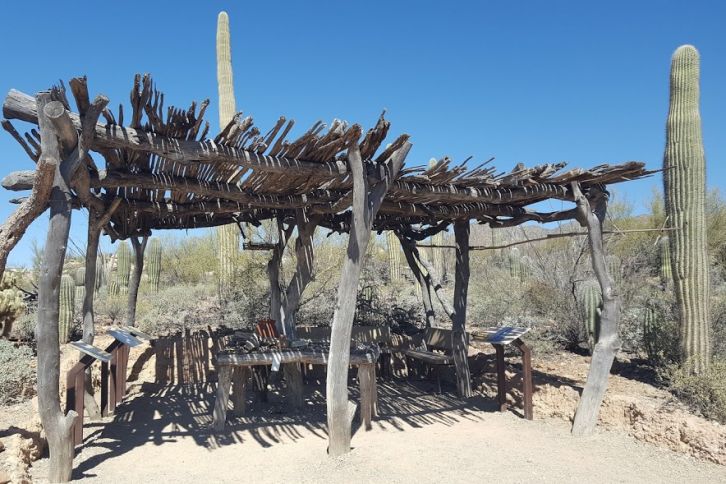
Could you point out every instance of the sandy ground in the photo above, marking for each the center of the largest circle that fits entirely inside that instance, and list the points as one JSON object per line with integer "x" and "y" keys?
{"x": 160, "y": 434}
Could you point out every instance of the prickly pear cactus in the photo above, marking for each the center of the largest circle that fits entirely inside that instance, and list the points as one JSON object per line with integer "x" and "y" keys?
{"x": 394, "y": 256}
{"x": 227, "y": 235}
{"x": 66, "y": 308}
{"x": 154, "y": 264}
{"x": 591, "y": 302}
{"x": 684, "y": 177}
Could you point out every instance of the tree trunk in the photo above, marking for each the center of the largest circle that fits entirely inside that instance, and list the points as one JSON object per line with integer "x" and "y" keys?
{"x": 604, "y": 353}
{"x": 94, "y": 233}
{"x": 135, "y": 281}
{"x": 305, "y": 256}
{"x": 56, "y": 425}
{"x": 461, "y": 288}
{"x": 364, "y": 208}
{"x": 424, "y": 280}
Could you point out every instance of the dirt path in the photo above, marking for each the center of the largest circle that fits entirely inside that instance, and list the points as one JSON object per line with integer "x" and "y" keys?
{"x": 160, "y": 435}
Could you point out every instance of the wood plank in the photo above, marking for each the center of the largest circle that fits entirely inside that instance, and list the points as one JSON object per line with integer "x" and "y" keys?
{"x": 224, "y": 383}
{"x": 92, "y": 351}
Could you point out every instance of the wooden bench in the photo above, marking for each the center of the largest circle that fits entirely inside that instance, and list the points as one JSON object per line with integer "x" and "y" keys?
{"x": 434, "y": 352}
{"x": 380, "y": 335}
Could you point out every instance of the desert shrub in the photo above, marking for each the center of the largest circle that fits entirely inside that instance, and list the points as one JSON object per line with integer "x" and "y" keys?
{"x": 17, "y": 378}
{"x": 24, "y": 327}
{"x": 705, "y": 393}
{"x": 177, "y": 308}
{"x": 110, "y": 306}
{"x": 718, "y": 321}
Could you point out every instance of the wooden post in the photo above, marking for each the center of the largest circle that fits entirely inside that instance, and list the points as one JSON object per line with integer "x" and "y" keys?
{"x": 501, "y": 379}
{"x": 366, "y": 380}
{"x": 224, "y": 382}
{"x": 58, "y": 427}
{"x": 591, "y": 213}
{"x": 304, "y": 271}
{"x": 527, "y": 386}
{"x": 240, "y": 374}
{"x": 139, "y": 248}
{"x": 461, "y": 288}
{"x": 293, "y": 376}
{"x": 424, "y": 279}
{"x": 364, "y": 208}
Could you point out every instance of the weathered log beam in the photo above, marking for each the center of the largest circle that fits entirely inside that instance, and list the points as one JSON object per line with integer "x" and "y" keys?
{"x": 461, "y": 289}
{"x": 17, "y": 181}
{"x": 305, "y": 257}
{"x": 225, "y": 191}
{"x": 422, "y": 276}
{"x": 57, "y": 426}
{"x": 496, "y": 195}
{"x": 365, "y": 205}
{"x": 592, "y": 210}
{"x": 135, "y": 280}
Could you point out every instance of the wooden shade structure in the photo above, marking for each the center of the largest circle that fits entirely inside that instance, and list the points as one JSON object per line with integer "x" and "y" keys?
{"x": 163, "y": 170}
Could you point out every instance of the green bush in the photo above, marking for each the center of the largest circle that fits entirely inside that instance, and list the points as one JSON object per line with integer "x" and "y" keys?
{"x": 24, "y": 327}
{"x": 177, "y": 308}
{"x": 17, "y": 377}
{"x": 705, "y": 393}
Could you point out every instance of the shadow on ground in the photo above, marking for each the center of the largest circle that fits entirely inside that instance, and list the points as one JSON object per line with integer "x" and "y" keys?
{"x": 164, "y": 414}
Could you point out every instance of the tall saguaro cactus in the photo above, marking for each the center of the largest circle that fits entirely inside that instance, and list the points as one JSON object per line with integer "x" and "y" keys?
{"x": 591, "y": 301}
{"x": 67, "y": 308}
{"x": 394, "y": 256}
{"x": 154, "y": 264}
{"x": 227, "y": 235}
{"x": 684, "y": 179}
{"x": 123, "y": 268}
{"x": 664, "y": 253}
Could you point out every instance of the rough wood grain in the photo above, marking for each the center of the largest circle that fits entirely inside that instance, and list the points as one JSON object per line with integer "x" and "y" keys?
{"x": 57, "y": 426}
{"x": 592, "y": 210}
{"x": 461, "y": 289}
{"x": 364, "y": 209}
{"x": 139, "y": 245}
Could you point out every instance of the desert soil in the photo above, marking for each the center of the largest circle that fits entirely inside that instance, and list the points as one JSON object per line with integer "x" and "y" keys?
{"x": 161, "y": 433}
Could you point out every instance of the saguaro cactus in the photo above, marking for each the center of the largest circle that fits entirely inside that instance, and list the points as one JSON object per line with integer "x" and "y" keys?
{"x": 514, "y": 263}
{"x": 100, "y": 273}
{"x": 79, "y": 278}
{"x": 66, "y": 308}
{"x": 394, "y": 256}
{"x": 123, "y": 268}
{"x": 154, "y": 264}
{"x": 684, "y": 179}
{"x": 591, "y": 301}
{"x": 666, "y": 274}
{"x": 227, "y": 235}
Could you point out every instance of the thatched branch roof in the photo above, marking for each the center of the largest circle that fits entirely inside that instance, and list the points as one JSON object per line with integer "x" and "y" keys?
{"x": 171, "y": 174}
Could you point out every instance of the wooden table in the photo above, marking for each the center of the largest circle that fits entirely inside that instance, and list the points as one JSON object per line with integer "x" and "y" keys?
{"x": 235, "y": 367}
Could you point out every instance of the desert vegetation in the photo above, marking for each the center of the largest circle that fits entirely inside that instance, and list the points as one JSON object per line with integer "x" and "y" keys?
{"x": 545, "y": 285}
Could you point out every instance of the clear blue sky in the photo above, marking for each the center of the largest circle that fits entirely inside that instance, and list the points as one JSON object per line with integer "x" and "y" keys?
{"x": 527, "y": 81}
